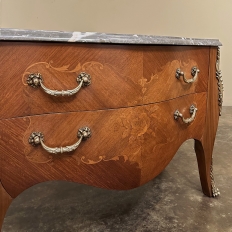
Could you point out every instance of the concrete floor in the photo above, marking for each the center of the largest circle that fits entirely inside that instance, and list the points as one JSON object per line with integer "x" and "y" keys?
{"x": 173, "y": 201}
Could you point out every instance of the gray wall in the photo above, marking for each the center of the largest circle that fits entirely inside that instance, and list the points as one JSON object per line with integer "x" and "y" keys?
{"x": 204, "y": 19}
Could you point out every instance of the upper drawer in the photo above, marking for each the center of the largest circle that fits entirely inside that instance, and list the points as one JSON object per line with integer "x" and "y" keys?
{"x": 121, "y": 75}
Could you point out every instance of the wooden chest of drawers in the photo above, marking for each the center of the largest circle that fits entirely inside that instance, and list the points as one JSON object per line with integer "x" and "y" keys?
{"x": 108, "y": 110}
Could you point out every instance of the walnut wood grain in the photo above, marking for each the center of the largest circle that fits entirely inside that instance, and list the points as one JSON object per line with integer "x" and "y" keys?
{"x": 204, "y": 146}
{"x": 5, "y": 200}
{"x": 122, "y": 75}
{"x": 128, "y": 147}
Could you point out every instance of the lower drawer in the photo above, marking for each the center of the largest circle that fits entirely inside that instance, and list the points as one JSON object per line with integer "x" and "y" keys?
{"x": 128, "y": 146}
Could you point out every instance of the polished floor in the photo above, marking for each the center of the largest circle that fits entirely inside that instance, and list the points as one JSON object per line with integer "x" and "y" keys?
{"x": 172, "y": 202}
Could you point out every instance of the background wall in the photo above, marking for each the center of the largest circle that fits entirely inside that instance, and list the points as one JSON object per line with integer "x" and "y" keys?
{"x": 203, "y": 19}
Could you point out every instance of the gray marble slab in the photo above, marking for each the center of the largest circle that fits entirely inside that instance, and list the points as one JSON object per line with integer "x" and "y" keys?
{"x": 93, "y": 37}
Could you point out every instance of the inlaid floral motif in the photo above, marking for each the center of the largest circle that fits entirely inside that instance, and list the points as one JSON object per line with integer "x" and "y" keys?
{"x": 64, "y": 68}
{"x": 130, "y": 127}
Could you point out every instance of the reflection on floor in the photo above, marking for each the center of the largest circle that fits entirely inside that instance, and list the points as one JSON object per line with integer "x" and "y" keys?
{"x": 171, "y": 202}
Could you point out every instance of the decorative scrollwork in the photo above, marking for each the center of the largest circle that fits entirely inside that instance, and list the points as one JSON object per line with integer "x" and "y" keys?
{"x": 84, "y": 132}
{"x": 35, "y": 138}
{"x": 34, "y": 79}
{"x": 220, "y": 82}
{"x": 215, "y": 190}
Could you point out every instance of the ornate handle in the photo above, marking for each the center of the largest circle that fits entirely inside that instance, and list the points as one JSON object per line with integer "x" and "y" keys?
{"x": 194, "y": 73}
{"x": 38, "y": 138}
{"x": 35, "y": 80}
{"x": 192, "y": 110}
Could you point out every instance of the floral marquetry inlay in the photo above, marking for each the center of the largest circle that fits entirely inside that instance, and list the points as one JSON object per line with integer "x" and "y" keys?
{"x": 127, "y": 129}
{"x": 64, "y": 68}
{"x": 131, "y": 129}
{"x": 164, "y": 76}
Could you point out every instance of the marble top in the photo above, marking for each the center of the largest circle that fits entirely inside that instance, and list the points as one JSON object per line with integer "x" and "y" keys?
{"x": 94, "y": 37}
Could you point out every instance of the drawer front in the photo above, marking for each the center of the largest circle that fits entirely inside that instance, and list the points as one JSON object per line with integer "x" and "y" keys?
{"x": 128, "y": 147}
{"x": 121, "y": 76}
{"x": 160, "y": 65}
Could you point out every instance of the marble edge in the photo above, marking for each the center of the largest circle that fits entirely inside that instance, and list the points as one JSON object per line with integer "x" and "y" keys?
{"x": 94, "y": 37}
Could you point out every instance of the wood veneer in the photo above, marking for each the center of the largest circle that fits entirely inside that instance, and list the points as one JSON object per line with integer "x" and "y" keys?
{"x": 122, "y": 75}
{"x": 129, "y": 107}
{"x": 136, "y": 134}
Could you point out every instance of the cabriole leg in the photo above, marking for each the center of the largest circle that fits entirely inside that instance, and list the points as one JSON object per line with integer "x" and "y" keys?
{"x": 204, "y": 146}
{"x": 205, "y": 166}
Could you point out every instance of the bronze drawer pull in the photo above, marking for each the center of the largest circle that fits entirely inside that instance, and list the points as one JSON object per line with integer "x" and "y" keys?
{"x": 192, "y": 110}
{"x": 35, "y": 80}
{"x": 38, "y": 138}
{"x": 194, "y": 73}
